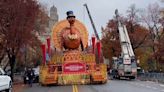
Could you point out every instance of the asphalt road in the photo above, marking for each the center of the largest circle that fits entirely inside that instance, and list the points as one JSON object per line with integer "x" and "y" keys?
{"x": 111, "y": 86}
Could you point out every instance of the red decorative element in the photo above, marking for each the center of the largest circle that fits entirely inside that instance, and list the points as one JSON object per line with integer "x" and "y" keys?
{"x": 48, "y": 45}
{"x": 99, "y": 49}
{"x": 93, "y": 44}
{"x": 44, "y": 53}
{"x": 74, "y": 67}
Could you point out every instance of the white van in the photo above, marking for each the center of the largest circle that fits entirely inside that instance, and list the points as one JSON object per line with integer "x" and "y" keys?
{"x": 5, "y": 82}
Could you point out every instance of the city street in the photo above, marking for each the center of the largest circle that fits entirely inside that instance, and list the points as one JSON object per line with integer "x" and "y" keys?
{"x": 111, "y": 86}
{"x": 60, "y": 45}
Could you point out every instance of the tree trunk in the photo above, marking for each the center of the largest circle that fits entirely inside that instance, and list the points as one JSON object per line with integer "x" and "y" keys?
{"x": 12, "y": 63}
{"x": 1, "y": 58}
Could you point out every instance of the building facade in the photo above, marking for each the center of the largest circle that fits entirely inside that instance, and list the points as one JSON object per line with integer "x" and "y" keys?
{"x": 52, "y": 19}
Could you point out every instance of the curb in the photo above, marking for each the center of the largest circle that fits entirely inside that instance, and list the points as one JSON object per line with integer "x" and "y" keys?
{"x": 158, "y": 81}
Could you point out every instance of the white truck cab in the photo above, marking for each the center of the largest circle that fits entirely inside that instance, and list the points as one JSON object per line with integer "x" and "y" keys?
{"x": 5, "y": 82}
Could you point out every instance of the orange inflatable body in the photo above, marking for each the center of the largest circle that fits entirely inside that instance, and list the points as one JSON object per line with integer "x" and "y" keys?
{"x": 71, "y": 38}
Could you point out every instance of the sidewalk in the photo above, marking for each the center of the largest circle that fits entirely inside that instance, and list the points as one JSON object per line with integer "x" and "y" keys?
{"x": 18, "y": 87}
{"x": 18, "y": 84}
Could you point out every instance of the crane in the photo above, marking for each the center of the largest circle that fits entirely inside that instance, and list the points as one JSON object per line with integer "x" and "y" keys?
{"x": 95, "y": 31}
{"x": 125, "y": 65}
{"x": 93, "y": 25}
{"x": 124, "y": 38}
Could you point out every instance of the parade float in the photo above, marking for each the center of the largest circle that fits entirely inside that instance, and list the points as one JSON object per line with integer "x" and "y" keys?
{"x": 73, "y": 61}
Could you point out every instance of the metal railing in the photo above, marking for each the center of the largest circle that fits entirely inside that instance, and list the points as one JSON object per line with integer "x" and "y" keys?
{"x": 157, "y": 77}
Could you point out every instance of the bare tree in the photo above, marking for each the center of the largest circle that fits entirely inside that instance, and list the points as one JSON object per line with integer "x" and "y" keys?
{"x": 17, "y": 20}
{"x": 152, "y": 18}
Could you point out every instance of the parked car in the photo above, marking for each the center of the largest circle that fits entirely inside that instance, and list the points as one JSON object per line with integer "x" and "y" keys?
{"x": 36, "y": 73}
{"x": 5, "y": 82}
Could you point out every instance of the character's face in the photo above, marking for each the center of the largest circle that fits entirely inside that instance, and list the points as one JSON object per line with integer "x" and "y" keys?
{"x": 71, "y": 20}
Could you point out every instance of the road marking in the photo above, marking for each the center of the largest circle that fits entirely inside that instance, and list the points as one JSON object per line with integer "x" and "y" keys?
{"x": 75, "y": 89}
{"x": 150, "y": 81}
{"x": 161, "y": 85}
{"x": 154, "y": 88}
{"x": 162, "y": 90}
{"x": 73, "y": 86}
{"x": 148, "y": 86}
{"x": 142, "y": 85}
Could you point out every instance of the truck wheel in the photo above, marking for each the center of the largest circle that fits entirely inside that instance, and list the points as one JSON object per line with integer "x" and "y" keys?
{"x": 132, "y": 77}
{"x": 119, "y": 77}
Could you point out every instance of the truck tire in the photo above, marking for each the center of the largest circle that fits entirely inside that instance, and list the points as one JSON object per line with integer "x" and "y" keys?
{"x": 132, "y": 77}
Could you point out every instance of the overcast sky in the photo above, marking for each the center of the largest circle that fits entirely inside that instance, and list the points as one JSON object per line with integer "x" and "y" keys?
{"x": 101, "y": 10}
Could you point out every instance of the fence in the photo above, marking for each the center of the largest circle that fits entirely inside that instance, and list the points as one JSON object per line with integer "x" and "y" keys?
{"x": 157, "y": 77}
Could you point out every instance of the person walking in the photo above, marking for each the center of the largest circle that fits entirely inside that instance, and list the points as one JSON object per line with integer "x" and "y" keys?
{"x": 30, "y": 74}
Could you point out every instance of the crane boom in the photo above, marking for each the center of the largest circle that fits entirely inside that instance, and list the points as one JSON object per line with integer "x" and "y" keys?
{"x": 93, "y": 25}
{"x": 124, "y": 38}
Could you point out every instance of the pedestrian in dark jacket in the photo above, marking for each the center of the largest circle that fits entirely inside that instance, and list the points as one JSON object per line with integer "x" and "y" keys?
{"x": 30, "y": 74}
